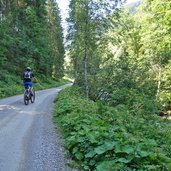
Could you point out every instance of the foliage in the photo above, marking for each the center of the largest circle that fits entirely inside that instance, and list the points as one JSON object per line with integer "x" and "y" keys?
{"x": 11, "y": 84}
{"x": 128, "y": 51}
{"x": 101, "y": 137}
{"x": 155, "y": 40}
{"x": 86, "y": 26}
{"x": 31, "y": 35}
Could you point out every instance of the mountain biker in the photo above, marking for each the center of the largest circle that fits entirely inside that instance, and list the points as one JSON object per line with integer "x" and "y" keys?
{"x": 28, "y": 78}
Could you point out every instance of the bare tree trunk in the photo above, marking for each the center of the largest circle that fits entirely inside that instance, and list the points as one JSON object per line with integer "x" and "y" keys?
{"x": 85, "y": 73}
{"x": 158, "y": 82}
{"x": 86, "y": 55}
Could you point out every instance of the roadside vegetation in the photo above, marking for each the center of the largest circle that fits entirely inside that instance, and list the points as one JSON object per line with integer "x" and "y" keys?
{"x": 106, "y": 138}
{"x": 13, "y": 85}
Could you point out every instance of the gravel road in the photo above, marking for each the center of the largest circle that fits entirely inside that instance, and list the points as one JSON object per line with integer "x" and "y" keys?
{"x": 28, "y": 139}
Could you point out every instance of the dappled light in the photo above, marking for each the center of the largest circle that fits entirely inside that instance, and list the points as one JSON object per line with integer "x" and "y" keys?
{"x": 8, "y": 107}
{"x": 15, "y": 109}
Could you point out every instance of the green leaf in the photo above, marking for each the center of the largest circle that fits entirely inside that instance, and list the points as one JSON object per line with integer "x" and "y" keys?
{"x": 127, "y": 149}
{"x": 79, "y": 156}
{"x": 109, "y": 145}
{"x": 81, "y": 139}
{"x": 90, "y": 154}
{"x": 100, "y": 150}
{"x": 106, "y": 166}
{"x": 91, "y": 137}
{"x": 124, "y": 149}
{"x": 105, "y": 147}
{"x": 92, "y": 162}
{"x": 75, "y": 150}
{"x": 118, "y": 148}
{"x": 151, "y": 142}
{"x": 143, "y": 153}
{"x": 123, "y": 160}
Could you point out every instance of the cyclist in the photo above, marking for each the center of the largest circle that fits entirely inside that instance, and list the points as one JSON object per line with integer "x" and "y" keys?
{"x": 28, "y": 78}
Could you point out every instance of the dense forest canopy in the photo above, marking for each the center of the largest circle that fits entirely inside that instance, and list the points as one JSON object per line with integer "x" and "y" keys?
{"x": 31, "y": 35}
{"x": 121, "y": 62}
{"x": 128, "y": 50}
{"x": 119, "y": 55}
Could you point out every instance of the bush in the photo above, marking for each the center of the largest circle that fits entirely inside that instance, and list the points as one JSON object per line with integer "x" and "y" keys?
{"x": 9, "y": 84}
{"x": 101, "y": 137}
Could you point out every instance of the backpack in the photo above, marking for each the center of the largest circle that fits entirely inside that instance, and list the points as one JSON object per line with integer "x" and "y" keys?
{"x": 27, "y": 75}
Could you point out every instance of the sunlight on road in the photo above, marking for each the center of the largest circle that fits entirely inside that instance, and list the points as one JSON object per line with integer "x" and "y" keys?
{"x": 30, "y": 112}
{"x": 20, "y": 111}
{"x": 2, "y": 107}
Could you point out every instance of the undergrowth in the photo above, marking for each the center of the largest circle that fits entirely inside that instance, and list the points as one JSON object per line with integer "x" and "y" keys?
{"x": 11, "y": 84}
{"x": 105, "y": 138}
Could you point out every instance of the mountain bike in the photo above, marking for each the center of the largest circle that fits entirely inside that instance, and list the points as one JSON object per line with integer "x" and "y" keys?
{"x": 29, "y": 94}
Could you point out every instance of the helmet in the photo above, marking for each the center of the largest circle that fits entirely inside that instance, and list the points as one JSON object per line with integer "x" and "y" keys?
{"x": 28, "y": 69}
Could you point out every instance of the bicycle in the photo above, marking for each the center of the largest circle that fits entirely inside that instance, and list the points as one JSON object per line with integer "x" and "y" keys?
{"x": 29, "y": 94}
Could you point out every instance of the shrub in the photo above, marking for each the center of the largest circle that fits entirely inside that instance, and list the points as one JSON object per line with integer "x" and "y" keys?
{"x": 11, "y": 84}
{"x": 102, "y": 137}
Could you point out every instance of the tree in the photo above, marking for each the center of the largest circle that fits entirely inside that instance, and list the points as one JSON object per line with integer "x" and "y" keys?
{"x": 87, "y": 23}
{"x": 156, "y": 39}
{"x": 55, "y": 38}
{"x": 28, "y": 39}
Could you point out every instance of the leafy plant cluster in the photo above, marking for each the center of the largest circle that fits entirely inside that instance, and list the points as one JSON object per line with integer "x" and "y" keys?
{"x": 9, "y": 84}
{"x": 102, "y": 137}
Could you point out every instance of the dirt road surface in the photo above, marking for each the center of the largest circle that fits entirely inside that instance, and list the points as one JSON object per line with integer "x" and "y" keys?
{"x": 28, "y": 139}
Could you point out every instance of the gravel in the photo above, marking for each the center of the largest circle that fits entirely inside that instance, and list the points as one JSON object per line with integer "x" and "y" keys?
{"x": 28, "y": 138}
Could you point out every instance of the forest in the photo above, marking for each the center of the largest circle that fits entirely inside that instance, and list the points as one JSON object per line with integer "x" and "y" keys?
{"x": 121, "y": 64}
{"x": 30, "y": 35}
{"x": 129, "y": 52}
{"x": 115, "y": 117}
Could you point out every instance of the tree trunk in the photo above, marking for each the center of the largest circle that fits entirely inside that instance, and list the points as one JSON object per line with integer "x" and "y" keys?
{"x": 86, "y": 55}
{"x": 158, "y": 82}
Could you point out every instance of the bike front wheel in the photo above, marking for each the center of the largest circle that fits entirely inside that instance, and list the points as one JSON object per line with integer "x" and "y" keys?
{"x": 32, "y": 98}
{"x": 26, "y": 99}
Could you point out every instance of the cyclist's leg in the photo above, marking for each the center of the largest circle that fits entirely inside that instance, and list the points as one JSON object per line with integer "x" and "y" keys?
{"x": 31, "y": 87}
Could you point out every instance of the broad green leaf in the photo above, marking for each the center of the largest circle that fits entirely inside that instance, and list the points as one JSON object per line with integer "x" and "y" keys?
{"x": 79, "y": 156}
{"x": 92, "y": 138}
{"x": 143, "y": 153}
{"x": 105, "y": 147}
{"x": 90, "y": 154}
{"x": 100, "y": 150}
{"x": 123, "y": 160}
{"x": 128, "y": 149}
{"x": 106, "y": 166}
{"x": 75, "y": 150}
